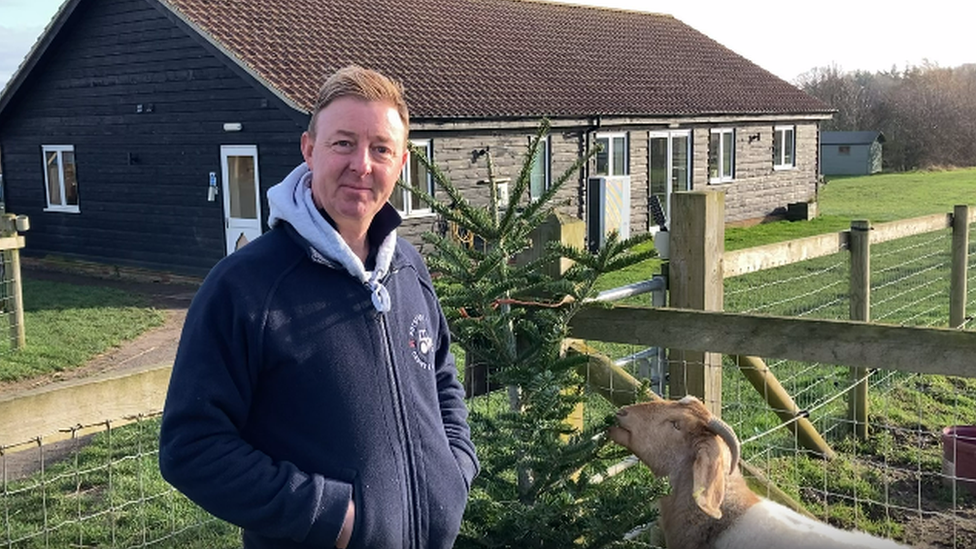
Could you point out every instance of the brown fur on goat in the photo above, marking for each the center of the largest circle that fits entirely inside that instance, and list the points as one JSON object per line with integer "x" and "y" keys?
{"x": 673, "y": 439}
{"x": 710, "y": 505}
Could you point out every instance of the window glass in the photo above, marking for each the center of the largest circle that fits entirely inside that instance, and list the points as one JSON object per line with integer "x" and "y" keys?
{"x": 70, "y": 179}
{"x": 538, "y": 179}
{"x": 721, "y": 155}
{"x": 619, "y": 155}
{"x": 603, "y": 157}
{"x": 60, "y": 178}
{"x": 418, "y": 180}
{"x": 240, "y": 171}
{"x": 415, "y": 176}
{"x": 53, "y": 178}
{"x": 727, "y": 153}
{"x": 714, "y": 150}
{"x": 612, "y": 160}
{"x": 788, "y": 148}
{"x": 783, "y": 146}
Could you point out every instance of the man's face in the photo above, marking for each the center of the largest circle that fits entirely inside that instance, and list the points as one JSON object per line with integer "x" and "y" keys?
{"x": 356, "y": 156}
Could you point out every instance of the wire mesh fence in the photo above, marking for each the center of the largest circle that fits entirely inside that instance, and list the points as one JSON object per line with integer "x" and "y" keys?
{"x": 910, "y": 478}
{"x": 99, "y": 486}
{"x": 6, "y": 305}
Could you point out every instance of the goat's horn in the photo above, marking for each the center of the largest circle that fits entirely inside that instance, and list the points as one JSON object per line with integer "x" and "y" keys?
{"x": 726, "y": 433}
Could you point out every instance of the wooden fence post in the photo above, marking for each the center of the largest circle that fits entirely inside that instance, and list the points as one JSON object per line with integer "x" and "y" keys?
{"x": 10, "y": 244}
{"x": 696, "y": 282}
{"x": 960, "y": 259}
{"x": 860, "y": 248}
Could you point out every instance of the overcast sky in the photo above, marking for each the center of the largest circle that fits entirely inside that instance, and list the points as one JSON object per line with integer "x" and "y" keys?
{"x": 786, "y": 38}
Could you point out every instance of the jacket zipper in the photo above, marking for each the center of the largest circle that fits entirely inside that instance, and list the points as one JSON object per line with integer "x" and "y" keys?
{"x": 402, "y": 424}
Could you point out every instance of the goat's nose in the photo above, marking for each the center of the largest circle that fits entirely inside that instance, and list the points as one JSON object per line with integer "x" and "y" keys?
{"x": 621, "y": 413}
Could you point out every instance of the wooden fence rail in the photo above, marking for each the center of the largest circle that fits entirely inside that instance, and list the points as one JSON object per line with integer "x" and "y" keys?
{"x": 697, "y": 333}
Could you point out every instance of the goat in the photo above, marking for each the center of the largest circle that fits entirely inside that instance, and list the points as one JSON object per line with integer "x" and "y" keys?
{"x": 710, "y": 506}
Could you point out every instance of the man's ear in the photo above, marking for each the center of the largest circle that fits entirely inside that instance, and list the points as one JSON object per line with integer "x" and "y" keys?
{"x": 708, "y": 486}
{"x": 406, "y": 157}
{"x": 308, "y": 142}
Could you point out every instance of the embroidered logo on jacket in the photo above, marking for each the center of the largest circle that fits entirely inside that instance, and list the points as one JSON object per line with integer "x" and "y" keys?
{"x": 421, "y": 343}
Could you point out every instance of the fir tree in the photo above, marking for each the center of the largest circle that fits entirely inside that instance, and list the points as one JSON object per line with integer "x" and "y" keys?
{"x": 536, "y": 488}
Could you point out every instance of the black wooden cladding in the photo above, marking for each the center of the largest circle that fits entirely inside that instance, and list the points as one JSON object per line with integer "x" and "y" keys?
{"x": 142, "y": 176}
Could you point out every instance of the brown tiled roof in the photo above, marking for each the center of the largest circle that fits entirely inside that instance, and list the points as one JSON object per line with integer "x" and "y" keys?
{"x": 497, "y": 58}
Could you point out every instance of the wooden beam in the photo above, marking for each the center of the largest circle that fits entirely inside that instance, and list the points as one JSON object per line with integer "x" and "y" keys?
{"x": 43, "y": 413}
{"x": 908, "y": 349}
{"x": 11, "y": 242}
{"x": 739, "y": 262}
{"x": 749, "y": 260}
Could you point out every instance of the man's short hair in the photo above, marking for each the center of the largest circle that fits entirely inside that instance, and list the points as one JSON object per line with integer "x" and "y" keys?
{"x": 366, "y": 84}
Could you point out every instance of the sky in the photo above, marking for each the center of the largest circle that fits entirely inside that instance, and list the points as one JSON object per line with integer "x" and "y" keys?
{"x": 786, "y": 38}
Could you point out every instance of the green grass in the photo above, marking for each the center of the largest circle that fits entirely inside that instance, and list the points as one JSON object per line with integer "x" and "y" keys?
{"x": 66, "y": 325}
{"x": 109, "y": 493}
{"x": 877, "y": 198}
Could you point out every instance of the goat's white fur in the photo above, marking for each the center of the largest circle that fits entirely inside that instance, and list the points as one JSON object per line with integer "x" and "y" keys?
{"x": 710, "y": 505}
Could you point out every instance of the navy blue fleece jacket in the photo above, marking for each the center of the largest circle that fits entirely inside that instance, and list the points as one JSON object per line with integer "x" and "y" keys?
{"x": 292, "y": 393}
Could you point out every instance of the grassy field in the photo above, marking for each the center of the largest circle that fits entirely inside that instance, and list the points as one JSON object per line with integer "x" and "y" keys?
{"x": 110, "y": 494}
{"x": 66, "y": 325}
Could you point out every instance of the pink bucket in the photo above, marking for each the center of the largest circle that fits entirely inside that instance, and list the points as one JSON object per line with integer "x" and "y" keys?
{"x": 959, "y": 456}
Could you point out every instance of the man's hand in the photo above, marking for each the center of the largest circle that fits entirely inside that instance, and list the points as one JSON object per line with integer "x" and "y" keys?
{"x": 346, "y": 533}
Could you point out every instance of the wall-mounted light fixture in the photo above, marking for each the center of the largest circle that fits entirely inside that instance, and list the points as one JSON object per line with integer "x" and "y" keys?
{"x": 233, "y": 126}
{"x": 755, "y": 137}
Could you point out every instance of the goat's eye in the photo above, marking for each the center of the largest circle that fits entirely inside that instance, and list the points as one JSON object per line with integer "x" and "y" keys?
{"x": 675, "y": 425}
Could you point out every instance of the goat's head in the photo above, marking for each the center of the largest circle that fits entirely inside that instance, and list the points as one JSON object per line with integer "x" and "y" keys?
{"x": 674, "y": 437}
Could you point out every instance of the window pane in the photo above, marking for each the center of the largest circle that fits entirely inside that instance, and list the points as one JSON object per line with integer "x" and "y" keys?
{"x": 243, "y": 195}
{"x": 777, "y": 147}
{"x": 659, "y": 169}
{"x": 603, "y": 157}
{"x": 70, "y": 178}
{"x": 619, "y": 156}
{"x": 396, "y": 197}
{"x": 788, "y": 148}
{"x": 419, "y": 179}
{"x": 727, "y": 153}
{"x": 53, "y": 178}
{"x": 537, "y": 179}
{"x": 714, "y": 147}
{"x": 679, "y": 163}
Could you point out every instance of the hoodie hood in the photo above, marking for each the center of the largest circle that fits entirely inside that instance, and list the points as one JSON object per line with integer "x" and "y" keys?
{"x": 291, "y": 201}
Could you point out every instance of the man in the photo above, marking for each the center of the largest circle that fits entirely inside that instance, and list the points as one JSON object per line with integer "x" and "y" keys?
{"x": 314, "y": 400}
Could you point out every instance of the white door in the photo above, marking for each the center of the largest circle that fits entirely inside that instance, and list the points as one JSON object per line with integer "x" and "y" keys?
{"x": 241, "y": 185}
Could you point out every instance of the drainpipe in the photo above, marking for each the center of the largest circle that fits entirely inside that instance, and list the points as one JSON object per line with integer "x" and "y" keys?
{"x": 584, "y": 149}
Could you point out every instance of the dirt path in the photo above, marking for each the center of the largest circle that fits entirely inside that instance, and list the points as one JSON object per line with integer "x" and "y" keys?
{"x": 154, "y": 347}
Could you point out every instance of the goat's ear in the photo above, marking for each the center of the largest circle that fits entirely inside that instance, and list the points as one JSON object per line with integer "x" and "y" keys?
{"x": 708, "y": 485}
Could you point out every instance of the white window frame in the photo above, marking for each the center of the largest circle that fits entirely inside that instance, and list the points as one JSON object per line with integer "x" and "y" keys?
{"x": 543, "y": 153}
{"x": 408, "y": 210}
{"x": 779, "y": 137}
{"x": 63, "y": 206}
{"x": 610, "y": 136}
{"x": 722, "y": 177}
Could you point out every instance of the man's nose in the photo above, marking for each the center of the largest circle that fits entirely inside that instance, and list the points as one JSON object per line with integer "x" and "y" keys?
{"x": 360, "y": 161}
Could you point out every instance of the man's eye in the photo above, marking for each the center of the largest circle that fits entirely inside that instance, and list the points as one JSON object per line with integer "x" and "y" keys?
{"x": 342, "y": 144}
